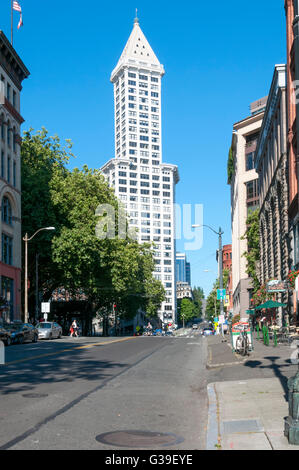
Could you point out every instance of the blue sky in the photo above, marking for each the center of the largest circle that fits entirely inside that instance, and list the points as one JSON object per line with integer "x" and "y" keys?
{"x": 218, "y": 58}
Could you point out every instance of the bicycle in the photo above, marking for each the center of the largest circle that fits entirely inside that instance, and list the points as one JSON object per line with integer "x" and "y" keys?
{"x": 242, "y": 343}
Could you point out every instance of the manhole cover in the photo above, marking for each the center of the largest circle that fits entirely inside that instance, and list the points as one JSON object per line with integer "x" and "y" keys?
{"x": 34, "y": 395}
{"x": 240, "y": 426}
{"x": 138, "y": 439}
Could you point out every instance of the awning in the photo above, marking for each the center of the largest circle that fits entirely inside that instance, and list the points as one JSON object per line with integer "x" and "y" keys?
{"x": 270, "y": 304}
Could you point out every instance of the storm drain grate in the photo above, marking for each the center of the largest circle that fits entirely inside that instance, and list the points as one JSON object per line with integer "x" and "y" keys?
{"x": 242, "y": 426}
{"x": 138, "y": 439}
{"x": 34, "y": 395}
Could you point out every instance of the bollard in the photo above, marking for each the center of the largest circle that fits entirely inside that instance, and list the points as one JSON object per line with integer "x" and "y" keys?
{"x": 291, "y": 430}
{"x": 264, "y": 335}
{"x": 267, "y": 337}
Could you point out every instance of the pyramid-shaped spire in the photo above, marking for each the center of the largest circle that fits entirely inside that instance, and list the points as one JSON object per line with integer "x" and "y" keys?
{"x": 138, "y": 50}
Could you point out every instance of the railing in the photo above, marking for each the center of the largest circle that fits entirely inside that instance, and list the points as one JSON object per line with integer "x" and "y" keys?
{"x": 275, "y": 335}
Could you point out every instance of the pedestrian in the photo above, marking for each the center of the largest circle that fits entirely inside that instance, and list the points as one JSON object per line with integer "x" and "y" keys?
{"x": 75, "y": 328}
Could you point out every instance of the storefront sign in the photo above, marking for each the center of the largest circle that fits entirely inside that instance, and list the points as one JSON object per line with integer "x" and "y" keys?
{"x": 277, "y": 286}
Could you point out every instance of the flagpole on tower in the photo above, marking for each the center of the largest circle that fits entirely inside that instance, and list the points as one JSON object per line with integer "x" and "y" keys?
{"x": 12, "y": 22}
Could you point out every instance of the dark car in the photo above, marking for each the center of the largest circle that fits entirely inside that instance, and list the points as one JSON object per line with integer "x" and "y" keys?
{"x": 5, "y": 336}
{"x": 21, "y": 332}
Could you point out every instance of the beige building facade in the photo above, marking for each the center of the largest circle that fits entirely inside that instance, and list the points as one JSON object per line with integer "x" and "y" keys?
{"x": 272, "y": 167}
{"x": 244, "y": 199}
{"x": 12, "y": 73}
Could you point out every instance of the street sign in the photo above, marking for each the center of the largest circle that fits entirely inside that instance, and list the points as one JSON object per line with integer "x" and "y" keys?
{"x": 226, "y": 302}
{"x": 221, "y": 319}
{"x": 45, "y": 307}
{"x": 221, "y": 293}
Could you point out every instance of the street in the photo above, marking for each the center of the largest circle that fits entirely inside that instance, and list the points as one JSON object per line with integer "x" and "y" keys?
{"x": 64, "y": 393}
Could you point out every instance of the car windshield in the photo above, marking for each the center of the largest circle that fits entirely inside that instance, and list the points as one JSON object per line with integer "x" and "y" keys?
{"x": 44, "y": 325}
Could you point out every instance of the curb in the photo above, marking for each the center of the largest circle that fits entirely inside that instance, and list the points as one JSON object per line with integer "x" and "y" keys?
{"x": 215, "y": 366}
{"x": 213, "y": 437}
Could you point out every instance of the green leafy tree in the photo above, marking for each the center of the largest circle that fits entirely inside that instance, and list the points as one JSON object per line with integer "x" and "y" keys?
{"x": 230, "y": 166}
{"x": 252, "y": 254}
{"x": 198, "y": 296}
{"x": 107, "y": 270}
{"x": 186, "y": 311}
{"x": 111, "y": 269}
{"x": 213, "y": 305}
{"x": 42, "y": 155}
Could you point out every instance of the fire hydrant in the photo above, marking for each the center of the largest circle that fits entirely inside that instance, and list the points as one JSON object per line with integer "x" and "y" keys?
{"x": 291, "y": 429}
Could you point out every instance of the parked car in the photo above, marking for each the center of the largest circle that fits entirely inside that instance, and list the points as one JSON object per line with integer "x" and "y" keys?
{"x": 195, "y": 326}
{"x": 21, "y": 332}
{"x": 207, "y": 331}
{"x": 49, "y": 330}
{"x": 5, "y": 336}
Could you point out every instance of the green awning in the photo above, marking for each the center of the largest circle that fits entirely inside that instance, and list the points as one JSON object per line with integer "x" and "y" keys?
{"x": 270, "y": 304}
{"x": 250, "y": 312}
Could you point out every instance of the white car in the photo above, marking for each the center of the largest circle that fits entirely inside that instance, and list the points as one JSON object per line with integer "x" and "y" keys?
{"x": 49, "y": 330}
{"x": 195, "y": 326}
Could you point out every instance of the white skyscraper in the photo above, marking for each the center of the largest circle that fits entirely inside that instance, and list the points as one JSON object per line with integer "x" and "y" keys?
{"x": 144, "y": 184}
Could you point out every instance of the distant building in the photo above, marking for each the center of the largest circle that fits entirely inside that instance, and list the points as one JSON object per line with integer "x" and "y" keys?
{"x": 188, "y": 273}
{"x": 144, "y": 184}
{"x": 244, "y": 199}
{"x": 183, "y": 290}
{"x": 183, "y": 269}
{"x": 12, "y": 73}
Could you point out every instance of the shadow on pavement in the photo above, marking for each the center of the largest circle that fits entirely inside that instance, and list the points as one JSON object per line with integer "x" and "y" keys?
{"x": 25, "y": 376}
{"x": 275, "y": 367}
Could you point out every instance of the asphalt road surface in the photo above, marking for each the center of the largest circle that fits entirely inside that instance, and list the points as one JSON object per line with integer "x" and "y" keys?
{"x": 149, "y": 392}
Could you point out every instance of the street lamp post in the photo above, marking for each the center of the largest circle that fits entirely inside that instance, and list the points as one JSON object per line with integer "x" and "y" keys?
{"x": 220, "y": 264}
{"x": 26, "y": 240}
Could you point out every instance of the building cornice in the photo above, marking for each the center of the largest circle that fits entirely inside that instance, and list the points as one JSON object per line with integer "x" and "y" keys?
{"x": 11, "y": 62}
{"x": 173, "y": 168}
{"x": 249, "y": 120}
{"x": 278, "y": 83}
{"x": 13, "y": 112}
{"x": 140, "y": 66}
{"x": 115, "y": 161}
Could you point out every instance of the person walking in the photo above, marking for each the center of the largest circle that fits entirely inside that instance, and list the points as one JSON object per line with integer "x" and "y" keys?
{"x": 75, "y": 328}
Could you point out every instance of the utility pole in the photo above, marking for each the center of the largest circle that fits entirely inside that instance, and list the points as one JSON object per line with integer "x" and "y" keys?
{"x": 26, "y": 240}
{"x": 36, "y": 287}
{"x": 220, "y": 256}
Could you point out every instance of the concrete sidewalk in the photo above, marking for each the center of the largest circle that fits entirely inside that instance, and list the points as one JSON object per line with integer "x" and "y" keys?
{"x": 248, "y": 414}
{"x": 220, "y": 352}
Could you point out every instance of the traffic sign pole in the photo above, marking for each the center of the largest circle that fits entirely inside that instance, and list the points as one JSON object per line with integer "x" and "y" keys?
{"x": 221, "y": 275}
